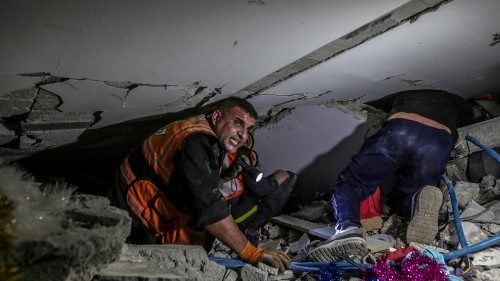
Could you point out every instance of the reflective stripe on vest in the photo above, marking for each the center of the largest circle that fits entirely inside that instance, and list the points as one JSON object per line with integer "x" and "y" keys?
{"x": 233, "y": 187}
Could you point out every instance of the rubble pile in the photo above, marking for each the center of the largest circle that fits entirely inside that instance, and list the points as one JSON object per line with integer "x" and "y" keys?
{"x": 54, "y": 235}
{"x": 298, "y": 233}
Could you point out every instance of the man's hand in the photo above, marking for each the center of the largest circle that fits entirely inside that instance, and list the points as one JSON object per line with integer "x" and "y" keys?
{"x": 276, "y": 259}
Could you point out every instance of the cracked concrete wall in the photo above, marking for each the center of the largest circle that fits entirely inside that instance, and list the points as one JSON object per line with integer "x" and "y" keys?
{"x": 73, "y": 65}
{"x": 100, "y": 63}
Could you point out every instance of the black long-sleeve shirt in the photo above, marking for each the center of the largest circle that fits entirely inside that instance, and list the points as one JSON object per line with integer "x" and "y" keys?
{"x": 196, "y": 179}
{"x": 445, "y": 108}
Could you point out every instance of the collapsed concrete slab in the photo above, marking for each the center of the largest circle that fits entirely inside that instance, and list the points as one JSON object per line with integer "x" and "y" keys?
{"x": 164, "y": 262}
{"x": 92, "y": 236}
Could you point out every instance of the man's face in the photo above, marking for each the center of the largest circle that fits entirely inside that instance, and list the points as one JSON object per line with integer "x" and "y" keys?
{"x": 232, "y": 127}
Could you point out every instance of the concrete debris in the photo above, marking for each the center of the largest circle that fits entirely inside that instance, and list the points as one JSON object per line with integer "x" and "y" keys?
{"x": 230, "y": 275}
{"x": 487, "y": 275}
{"x": 251, "y": 273}
{"x": 276, "y": 231}
{"x": 6, "y": 135}
{"x": 477, "y": 213}
{"x": 314, "y": 211}
{"x": 92, "y": 239}
{"x": 360, "y": 110}
{"x": 299, "y": 245}
{"x": 287, "y": 275}
{"x": 273, "y": 244}
{"x": 48, "y": 138}
{"x": 17, "y": 102}
{"x": 489, "y": 258}
{"x": 269, "y": 269}
{"x": 179, "y": 262}
{"x": 465, "y": 192}
{"x": 489, "y": 189}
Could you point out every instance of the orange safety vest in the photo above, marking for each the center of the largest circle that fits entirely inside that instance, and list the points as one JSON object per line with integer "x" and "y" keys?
{"x": 144, "y": 196}
{"x": 234, "y": 187}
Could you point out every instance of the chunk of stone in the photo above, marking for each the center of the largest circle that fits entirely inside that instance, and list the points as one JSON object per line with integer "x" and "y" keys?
{"x": 313, "y": 211}
{"x": 287, "y": 275}
{"x": 489, "y": 258}
{"x": 91, "y": 239}
{"x": 230, "y": 275}
{"x": 465, "y": 192}
{"x": 252, "y": 273}
{"x": 213, "y": 271}
{"x": 17, "y": 102}
{"x": 269, "y": 269}
{"x": 276, "y": 231}
{"x": 487, "y": 275}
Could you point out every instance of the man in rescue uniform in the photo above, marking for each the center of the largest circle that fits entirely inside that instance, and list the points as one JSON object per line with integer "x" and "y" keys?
{"x": 414, "y": 144}
{"x": 170, "y": 183}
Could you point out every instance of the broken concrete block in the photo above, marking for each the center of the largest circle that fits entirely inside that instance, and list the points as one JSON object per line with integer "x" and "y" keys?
{"x": 486, "y": 132}
{"x": 252, "y": 273}
{"x": 92, "y": 239}
{"x": 230, "y": 275}
{"x": 488, "y": 180}
{"x": 213, "y": 271}
{"x": 271, "y": 244}
{"x": 269, "y": 269}
{"x": 287, "y": 275}
{"x": 17, "y": 102}
{"x": 49, "y": 138}
{"x": 465, "y": 192}
{"x": 489, "y": 258}
{"x": 477, "y": 213}
{"x": 473, "y": 233}
{"x": 487, "y": 275}
{"x": 300, "y": 245}
{"x": 313, "y": 212}
{"x": 6, "y": 135}
{"x": 276, "y": 231}
{"x": 179, "y": 262}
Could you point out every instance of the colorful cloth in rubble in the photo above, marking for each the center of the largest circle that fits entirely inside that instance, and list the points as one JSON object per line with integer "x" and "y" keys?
{"x": 417, "y": 266}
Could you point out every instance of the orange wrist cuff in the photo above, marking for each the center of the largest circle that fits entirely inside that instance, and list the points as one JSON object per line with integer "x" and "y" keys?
{"x": 251, "y": 253}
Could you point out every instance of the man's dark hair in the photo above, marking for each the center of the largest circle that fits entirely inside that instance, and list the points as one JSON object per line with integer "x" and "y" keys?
{"x": 231, "y": 102}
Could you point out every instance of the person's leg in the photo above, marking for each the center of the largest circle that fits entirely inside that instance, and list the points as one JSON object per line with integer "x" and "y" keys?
{"x": 428, "y": 153}
{"x": 377, "y": 160}
{"x": 419, "y": 199}
{"x": 379, "y": 157}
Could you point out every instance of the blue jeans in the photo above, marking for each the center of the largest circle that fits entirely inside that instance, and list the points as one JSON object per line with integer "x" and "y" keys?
{"x": 417, "y": 154}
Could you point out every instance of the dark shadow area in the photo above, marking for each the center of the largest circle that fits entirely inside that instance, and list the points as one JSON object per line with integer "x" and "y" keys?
{"x": 321, "y": 175}
{"x": 89, "y": 163}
